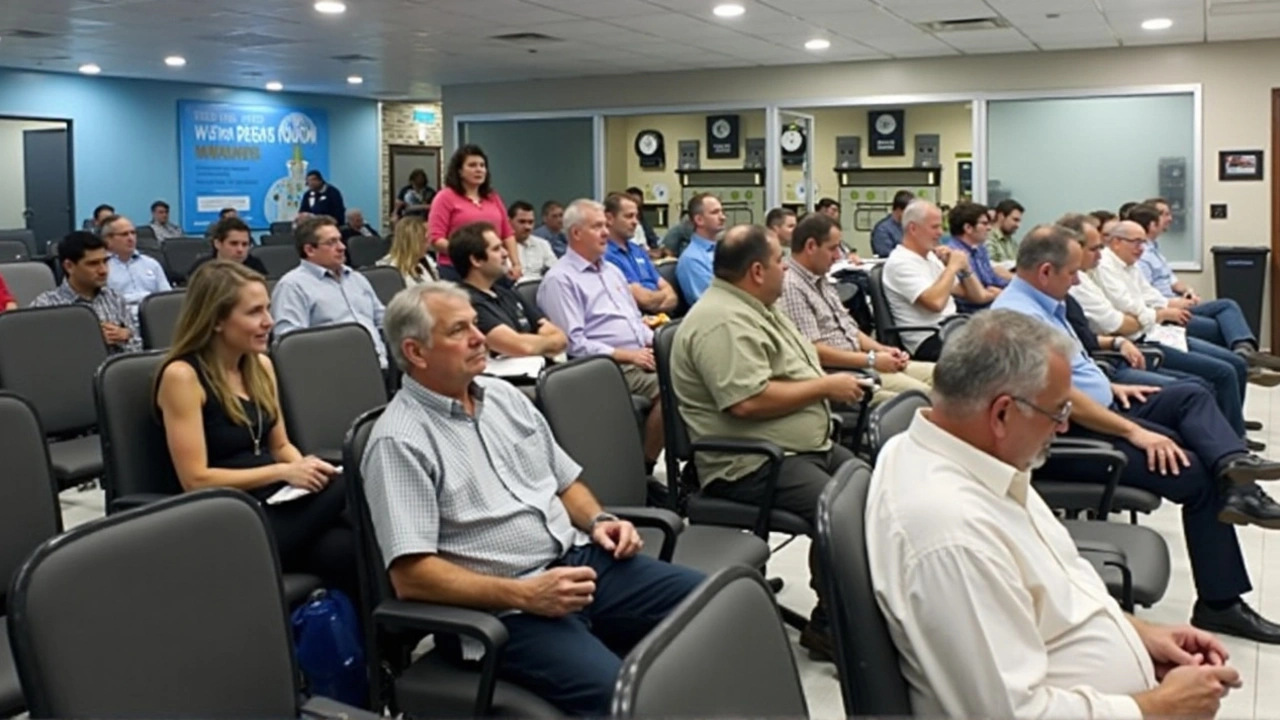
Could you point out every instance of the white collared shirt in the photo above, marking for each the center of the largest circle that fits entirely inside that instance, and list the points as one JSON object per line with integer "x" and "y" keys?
{"x": 1128, "y": 290}
{"x": 1103, "y": 317}
{"x": 990, "y": 605}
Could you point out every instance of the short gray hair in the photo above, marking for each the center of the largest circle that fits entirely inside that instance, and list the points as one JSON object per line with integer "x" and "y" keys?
{"x": 997, "y": 352}
{"x": 576, "y": 213}
{"x": 917, "y": 210}
{"x": 407, "y": 316}
{"x": 1045, "y": 244}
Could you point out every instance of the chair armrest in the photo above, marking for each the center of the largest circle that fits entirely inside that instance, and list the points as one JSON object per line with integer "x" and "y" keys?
{"x": 333, "y": 456}
{"x": 1074, "y": 442}
{"x": 912, "y": 328}
{"x": 1111, "y": 556}
{"x": 1097, "y": 547}
{"x": 1111, "y": 464}
{"x": 773, "y": 456}
{"x": 136, "y": 500}
{"x": 452, "y": 620}
{"x": 663, "y": 519}
{"x": 323, "y": 708}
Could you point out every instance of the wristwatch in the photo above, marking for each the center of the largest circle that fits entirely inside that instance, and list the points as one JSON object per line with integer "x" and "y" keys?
{"x": 871, "y": 359}
{"x": 963, "y": 275}
{"x": 602, "y": 517}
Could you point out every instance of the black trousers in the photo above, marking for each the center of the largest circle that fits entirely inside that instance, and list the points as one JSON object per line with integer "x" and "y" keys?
{"x": 313, "y": 537}
{"x": 929, "y": 350}
{"x": 1187, "y": 413}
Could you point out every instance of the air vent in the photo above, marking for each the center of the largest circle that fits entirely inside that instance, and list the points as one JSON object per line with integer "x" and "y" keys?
{"x": 1242, "y": 7}
{"x": 526, "y": 38}
{"x": 944, "y": 26}
{"x": 353, "y": 58}
{"x": 26, "y": 34}
{"x": 246, "y": 39}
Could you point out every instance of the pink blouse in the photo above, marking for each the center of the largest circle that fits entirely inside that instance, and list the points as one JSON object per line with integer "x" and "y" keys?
{"x": 450, "y": 211}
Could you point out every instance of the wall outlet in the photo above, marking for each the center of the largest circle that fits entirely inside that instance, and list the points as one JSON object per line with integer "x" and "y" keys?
{"x": 1218, "y": 211}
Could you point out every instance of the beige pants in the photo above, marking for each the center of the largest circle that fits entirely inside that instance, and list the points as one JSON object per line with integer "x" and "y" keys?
{"x": 917, "y": 376}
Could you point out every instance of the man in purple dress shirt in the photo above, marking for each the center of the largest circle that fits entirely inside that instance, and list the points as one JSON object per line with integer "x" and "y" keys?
{"x": 589, "y": 299}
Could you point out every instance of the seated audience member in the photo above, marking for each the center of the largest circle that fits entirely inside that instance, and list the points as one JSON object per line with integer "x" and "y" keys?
{"x": 922, "y": 279}
{"x": 1220, "y": 321}
{"x": 645, "y": 236}
{"x": 408, "y": 252}
{"x": 693, "y": 270}
{"x": 653, "y": 294}
{"x": 357, "y": 226}
{"x": 828, "y": 206}
{"x": 220, "y": 407}
{"x": 587, "y": 297}
{"x": 101, "y": 213}
{"x": 1178, "y": 444}
{"x": 887, "y": 234}
{"x": 160, "y": 224}
{"x": 782, "y": 223}
{"x": 323, "y": 290}
{"x": 552, "y": 227}
{"x": 812, "y": 303}
{"x": 300, "y": 218}
{"x": 521, "y": 535}
{"x": 130, "y": 273}
{"x": 231, "y": 242}
{"x": 678, "y": 237}
{"x": 1122, "y": 213}
{"x": 1121, "y": 329}
{"x": 511, "y": 326}
{"x": 83, "y": 257}
{"x": 227, "y": 214}
{"x": 1001, "y": 245}
{"x": 6, "y": 298}
{"x": 743, "y": 371}
{"x": 970, "y": 225}
{"x": 415, "y": 198}
{"x": 1103, "y": 217}
{"x": 536, "y": 255}
{"x": 990, "y": 605}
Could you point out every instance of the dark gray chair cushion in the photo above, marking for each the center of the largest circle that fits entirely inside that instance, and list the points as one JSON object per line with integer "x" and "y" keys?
{"x": 76, "y": 460}
{"x": 277, "y": 259}
{"x": 715, "y": 511}
{"x": 26, "y": 280}
{"x": 11, "y": 702}
{"x": 1080, "y": 497}
{"x": 386, "y": 281}
{"x": 158, "y": 318}
{"x": 434, "y": 687}
{"x": 1145, "y": 550}
{"x": 48, "y": 355}
{"x": 707, "y": 548}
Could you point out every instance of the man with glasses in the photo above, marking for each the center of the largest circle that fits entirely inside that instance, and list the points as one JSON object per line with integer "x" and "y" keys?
{"x": 130, "y": 273}
{"x": 969, "y": 224}
{"x": 1177, "y": 442}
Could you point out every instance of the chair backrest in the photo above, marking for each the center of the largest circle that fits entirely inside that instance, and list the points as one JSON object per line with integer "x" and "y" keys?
{"x": 145, "y": 232}
{"x": 318, "y": 406}
{"x": 365, "y": 250}
{"x": 26, "y": 280}
{"x": 723, "y": 652}
{"x": 871, "y": 678}
{"x": 135, "y": 453}
{"x": 375, "y": 583}
{"x": 13, "y": 251}
{"x": 588, "y": 405}
{"x": 182, "y": 253}
{"x": 158, "y": 318}
{"x": 668, "y": 272}
{"x": 48, "y": 355}
{"x": 678, "y": 447}
{"x": 148, "y": 242}
{"x": 172, "y": 610}
{"x": 278, "y": 259}
{"x": 281, "y": 228}
{"x": 386, "y": 281}
{"x": 273, "y": 239}
{"x": 950, "y": 326}
{"x": 25, "y": 236}
{"x": 29, "y": 510}
{"x": 893, "y": 417}
{"x": 880, "y": 307}
{"x": 528, "y": 291}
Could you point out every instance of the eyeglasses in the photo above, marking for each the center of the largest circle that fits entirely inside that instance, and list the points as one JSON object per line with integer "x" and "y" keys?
{"x": 1058, "y": 417}
{"x": 1132, "y": 241}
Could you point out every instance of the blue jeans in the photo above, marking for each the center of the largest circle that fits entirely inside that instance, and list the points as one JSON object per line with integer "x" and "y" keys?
{"x": 1220, "y": 322}
{"x": 566, "y": 660}
{"x": 1226, "y": 373}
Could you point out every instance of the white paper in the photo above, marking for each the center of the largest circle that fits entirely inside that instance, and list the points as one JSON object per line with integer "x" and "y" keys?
{"x": 1172, "y": 336}
{"x": 516, "y": 367}
{"x": 286, "y": 494}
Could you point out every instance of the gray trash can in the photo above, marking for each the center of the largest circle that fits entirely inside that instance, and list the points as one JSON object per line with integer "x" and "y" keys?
{"x": 1241, "y": 274}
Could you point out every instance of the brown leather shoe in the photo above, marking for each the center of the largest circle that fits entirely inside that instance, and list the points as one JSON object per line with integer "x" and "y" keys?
{"x": 1262, "y": 378}
{"x": 1260, "y": 359}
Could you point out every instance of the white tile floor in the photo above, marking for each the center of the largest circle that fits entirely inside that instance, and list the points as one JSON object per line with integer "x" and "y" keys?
{"x": 1258, "y": 664}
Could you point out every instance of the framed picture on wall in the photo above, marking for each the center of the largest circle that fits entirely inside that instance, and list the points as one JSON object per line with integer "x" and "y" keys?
{"x": 1239, "y": 165}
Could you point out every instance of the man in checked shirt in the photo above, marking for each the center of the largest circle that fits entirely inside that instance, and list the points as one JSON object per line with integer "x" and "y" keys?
{"x": 475, "y": 505}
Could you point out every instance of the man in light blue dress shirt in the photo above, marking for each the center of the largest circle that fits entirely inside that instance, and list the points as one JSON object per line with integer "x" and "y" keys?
{"x": 130, "y": 273}
{"x": 552, "y": 227}
{"x": 694, "y": 269}
{"x": 323, "y": 290}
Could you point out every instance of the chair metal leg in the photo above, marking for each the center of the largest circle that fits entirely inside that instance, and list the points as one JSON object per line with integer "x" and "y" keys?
{"x": 793, "y": 618}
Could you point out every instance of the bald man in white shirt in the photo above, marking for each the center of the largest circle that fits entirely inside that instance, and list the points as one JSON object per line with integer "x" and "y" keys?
{"x": 992, "y": 609}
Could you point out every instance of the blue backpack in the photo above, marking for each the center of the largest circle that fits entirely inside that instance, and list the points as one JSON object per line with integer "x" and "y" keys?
{"x": 330, "y": 652}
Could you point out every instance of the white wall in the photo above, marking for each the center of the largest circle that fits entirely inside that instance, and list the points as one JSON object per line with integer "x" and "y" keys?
{"x": 13, "y": 195}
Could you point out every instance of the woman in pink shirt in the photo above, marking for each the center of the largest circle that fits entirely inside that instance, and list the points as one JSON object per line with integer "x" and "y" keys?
{"x": 467, "y": 198}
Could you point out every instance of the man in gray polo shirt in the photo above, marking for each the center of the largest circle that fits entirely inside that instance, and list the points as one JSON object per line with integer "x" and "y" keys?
{"x": 475, "y": 505}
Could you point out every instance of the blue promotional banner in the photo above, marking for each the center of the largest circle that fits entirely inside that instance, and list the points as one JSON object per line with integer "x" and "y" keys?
{"x": 253, "y": 158}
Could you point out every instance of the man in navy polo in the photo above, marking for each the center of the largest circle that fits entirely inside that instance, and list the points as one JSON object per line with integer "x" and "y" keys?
{"x": 969, "y": 224}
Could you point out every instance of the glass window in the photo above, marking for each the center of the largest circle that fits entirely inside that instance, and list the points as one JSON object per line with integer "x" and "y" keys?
{"x": 538, "y": 160}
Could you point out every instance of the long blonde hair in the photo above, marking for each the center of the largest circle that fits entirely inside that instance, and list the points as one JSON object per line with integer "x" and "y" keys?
{"x": 212, "y": 293}
{"x": 406, "y": 247}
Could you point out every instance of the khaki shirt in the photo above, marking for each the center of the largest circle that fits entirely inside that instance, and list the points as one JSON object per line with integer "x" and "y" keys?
{"x": 1002, "y": 247}
{"x": 727, "y": 350}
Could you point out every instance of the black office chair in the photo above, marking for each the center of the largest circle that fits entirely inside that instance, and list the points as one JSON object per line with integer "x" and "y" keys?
{"x": 278, "y": 259}
{"x": 274, "y": 239}
{"x": 317, "y": 409}
{"x": 24, "y": 236}
{"x": 14, "y": 251}
{"x": 667, "y": 269}
{"x": 186, "y": 618}
{"x": 365, "y": 250}
{"x": 723, "y": 652}
{"x": 158, "y": 318}
{"x": 588, "y": 406}
{"x": 181, "y": 255}
{"x": 147, "y": 236}
{"x": 135, "y": 452}
{"x": 430, "y": 686}
{"x": 893, "y": 417}
{"x": 528, "y": 291}
{"x": 887, "y": 330}
{"x": 281, "y": 228}
{"x": 29, "y": 515}
{"x": 386, "y": 281}
{"x": 48, "y": 355}
{"x": 871, "y": 681}
{"x": 26, "y": 280}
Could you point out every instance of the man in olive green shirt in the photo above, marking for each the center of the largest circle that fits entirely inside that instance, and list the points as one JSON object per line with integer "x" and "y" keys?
{"x": 1000, "y": 243}
{"x": 742, "y": 370}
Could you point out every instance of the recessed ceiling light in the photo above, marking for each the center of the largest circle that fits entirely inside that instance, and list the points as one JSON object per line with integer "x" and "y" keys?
{"x": 728, "y": 10}
{"x": 1157, "y": 24}
{"x": 175, "y": 61}
{"x": 354, "y": 80}
{"x": 275, "y": 86}
{"x": 331, "y": 7}
{"x": 817, "y": 44}
{"x": 90, "y": 69}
